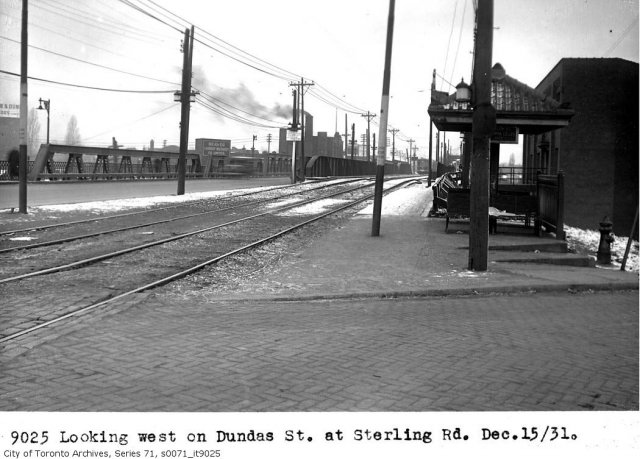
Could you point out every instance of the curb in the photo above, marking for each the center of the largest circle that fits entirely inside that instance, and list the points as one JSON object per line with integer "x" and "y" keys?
{"x": 445, "y": 292}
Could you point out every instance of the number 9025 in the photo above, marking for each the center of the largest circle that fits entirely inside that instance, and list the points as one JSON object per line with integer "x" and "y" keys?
{"x": 38, "y": 438}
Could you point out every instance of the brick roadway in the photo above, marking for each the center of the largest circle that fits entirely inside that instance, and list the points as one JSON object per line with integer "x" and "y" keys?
{"x": 169, "y": 352}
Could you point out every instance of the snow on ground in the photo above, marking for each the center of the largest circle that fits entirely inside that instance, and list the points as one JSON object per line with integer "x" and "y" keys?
{"x": 115, "y": 205}
{"x": 409, "y": 200}
{"x": 587, "y": 241}
{"x": 314, "y": 207}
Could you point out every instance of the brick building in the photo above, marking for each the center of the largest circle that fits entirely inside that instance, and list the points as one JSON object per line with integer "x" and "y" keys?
{"x": 598, "y": 151}
{"x": 314, "y": 145}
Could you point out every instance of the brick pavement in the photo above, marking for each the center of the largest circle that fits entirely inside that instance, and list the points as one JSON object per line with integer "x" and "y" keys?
{"x": 260, "y": 343}
{"x": 503, "y": 352}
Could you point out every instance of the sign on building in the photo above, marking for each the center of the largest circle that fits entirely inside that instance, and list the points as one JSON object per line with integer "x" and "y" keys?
{"x": 9, "y": 110}
{"x": 213, "y": 147}
{"x": 505, "y": 134}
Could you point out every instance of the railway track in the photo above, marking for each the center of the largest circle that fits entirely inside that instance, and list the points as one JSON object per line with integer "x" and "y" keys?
{"x": 11, "y": 240}
{"x": 84, "y": 283}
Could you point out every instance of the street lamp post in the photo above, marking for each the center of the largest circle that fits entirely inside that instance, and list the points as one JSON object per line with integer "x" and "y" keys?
{"x": 47, "y": 105}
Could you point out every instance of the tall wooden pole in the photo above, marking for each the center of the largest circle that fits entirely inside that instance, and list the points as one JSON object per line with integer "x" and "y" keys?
{"x": 346, "y": 137}
{"x": 24, "y": 101}
{"x": 430, "y": 149}
{"x": 294, "y": 127}
{"x": 384, "y": 117}
{"x": 353, "y": 139}
{"x": 184, "y": 115}
{"x": 301, "y": 160}
{"x": 483, "y": 125}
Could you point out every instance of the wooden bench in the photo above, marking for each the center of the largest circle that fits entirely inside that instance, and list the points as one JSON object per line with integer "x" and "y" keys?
{"x": 506, "y": 206}
{"x": 520, "y": 204}
{"x": 458, "y": 205}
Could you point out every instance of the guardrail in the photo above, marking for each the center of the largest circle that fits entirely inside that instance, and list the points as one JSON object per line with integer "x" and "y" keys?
{"x": 88, "y": 163}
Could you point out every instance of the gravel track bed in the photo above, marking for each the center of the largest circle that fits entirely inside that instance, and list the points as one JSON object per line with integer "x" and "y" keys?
{"x": 31, "y": 301}
{"x": 25, "y": 261}
{"x": 103, "y": 221}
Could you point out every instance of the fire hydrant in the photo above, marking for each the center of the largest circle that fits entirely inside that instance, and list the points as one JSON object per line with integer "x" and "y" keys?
{"x": 606, "y": 239}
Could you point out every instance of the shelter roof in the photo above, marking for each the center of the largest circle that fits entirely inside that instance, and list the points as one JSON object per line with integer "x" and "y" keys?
{"x": 516, "y": 104}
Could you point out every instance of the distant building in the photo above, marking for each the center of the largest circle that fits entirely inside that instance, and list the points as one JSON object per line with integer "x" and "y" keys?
{"x": 314, "y": 145}
{"x": 323, "y": 145}
{"x": 598, "y": 151}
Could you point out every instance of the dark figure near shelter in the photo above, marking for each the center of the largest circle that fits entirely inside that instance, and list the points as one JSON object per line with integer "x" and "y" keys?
{"x": 14, "y": 161}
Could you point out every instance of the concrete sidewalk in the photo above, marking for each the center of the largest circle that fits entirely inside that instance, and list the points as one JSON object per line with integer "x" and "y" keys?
{"x": 413, "y": 256}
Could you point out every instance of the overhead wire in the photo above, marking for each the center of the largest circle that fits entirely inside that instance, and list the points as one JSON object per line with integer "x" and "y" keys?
{"x": 214, "y": 43}
{"x": 91, "y": 63}
{"x": 60, "y": 11}
{"x": 455, "y": 59}
{"x": 217, "y": 101}
{"x": 66, "y": 36}
{"x": 274, "y": 68}
{"x": 453, "y": 21}
{"x": 97, "y": 88}
{"x": 227, "y": 114}
{"x": 204, "y": 38}
{"x": 129, "y": 123}
{"x": 621, "y": 37}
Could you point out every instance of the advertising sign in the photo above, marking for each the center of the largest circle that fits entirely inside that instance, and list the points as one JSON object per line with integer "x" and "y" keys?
{"x": 9, "y": 110}
{"x": 213, "y": 147}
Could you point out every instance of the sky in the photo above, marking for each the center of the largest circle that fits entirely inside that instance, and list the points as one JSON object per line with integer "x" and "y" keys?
{"x": 248, "y": 52}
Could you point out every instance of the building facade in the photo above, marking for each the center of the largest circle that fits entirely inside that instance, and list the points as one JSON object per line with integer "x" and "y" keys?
{"x": 598, "y": 151}
{"x": 314, "y": 145}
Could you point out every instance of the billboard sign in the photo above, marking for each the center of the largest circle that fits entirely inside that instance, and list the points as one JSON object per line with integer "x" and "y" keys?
{"x": 213, "y": 147}
{"x": 9, "y": 110}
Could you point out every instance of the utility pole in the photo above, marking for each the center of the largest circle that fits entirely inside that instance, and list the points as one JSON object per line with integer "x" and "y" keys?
{"x": 414, "y": 158}
{"x": 363, "y": 138}
{"x": 346, "y": 137}
{"x": 24, "y": 100}
{"x": 368, "y": 116}
{"x": 483, "y": 125}
{"x": 253, "y": 145}
{"x": 393, "y": 147}
{"x": 433, "y": 89}
{"x": 430, "y": 150}
{"x": 444, "y": 147}
{"x": 410, "y": 152}
{"x": 301, "y": 157}
{"x": 373, "y": 148}
{"x": 294, "y": 128}
{"x": 353, "y": 138}
{"x": 185, "y": 98}
{"x": 268, "y": 143}
{"x": 384, "y": 116}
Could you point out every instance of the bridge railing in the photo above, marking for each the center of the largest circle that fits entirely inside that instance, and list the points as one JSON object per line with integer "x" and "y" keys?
{"x": 92, "y": 163}
{"x": 328, "y": 166}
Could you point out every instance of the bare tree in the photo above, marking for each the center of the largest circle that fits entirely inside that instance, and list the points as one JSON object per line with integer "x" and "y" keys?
{"x": 73, "y": 133}
{"x": 33, "y": 132}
